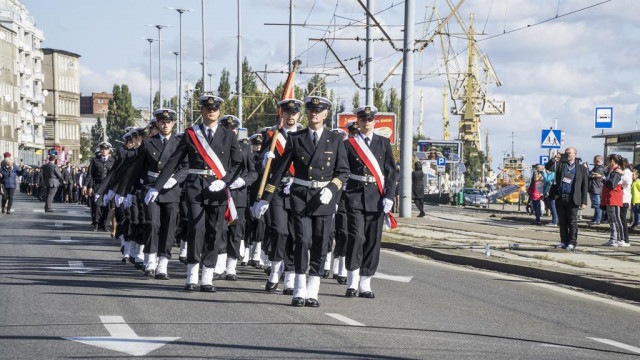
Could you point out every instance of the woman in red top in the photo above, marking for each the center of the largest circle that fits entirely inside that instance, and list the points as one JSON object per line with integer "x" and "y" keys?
{"x": 536, "y": 192}
{"x": 612, "y": 192}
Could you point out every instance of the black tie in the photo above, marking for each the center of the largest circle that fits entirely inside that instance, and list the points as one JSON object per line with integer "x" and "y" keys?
{"x": 164, "y": 142}
{"x": 315, "y": 139}
{"x": 209, "y": 135}
{"x": 366, "y": 141}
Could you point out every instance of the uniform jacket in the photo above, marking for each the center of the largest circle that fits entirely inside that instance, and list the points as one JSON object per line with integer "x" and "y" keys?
{"x": 113, "y": 177}
{"x": 51, "y": 175}
{"x": 366, "y": 196}
{"x": 248, "y": 174}
{"x": 152, "y": 158}
{"x": 279, "y": 197}
{"x": 98, "y": 170}
{"x": 225, "y": 145}
{"x": 9, "y": 176}
{"x": 326, "y": 162}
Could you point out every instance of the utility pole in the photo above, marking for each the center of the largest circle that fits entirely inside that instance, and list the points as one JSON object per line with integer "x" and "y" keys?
{"x": 204, "y": 56}
{"x": 406, "y": 150}
{"x": 421, "y": 119}
{"x": 369, "y": 55}
{"x": 176, "y": 53}
{"x": 239, "y": 82}
{"x": 150, "y": 77}
{"x": 180, "y": 110}
{"x": 160, "y": 27}
{"x": 291, "y": 37}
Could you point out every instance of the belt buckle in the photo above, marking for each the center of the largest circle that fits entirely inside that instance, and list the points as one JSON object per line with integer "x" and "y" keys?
{"x": 370, "y": 178}
{"x": 314, "y": 184}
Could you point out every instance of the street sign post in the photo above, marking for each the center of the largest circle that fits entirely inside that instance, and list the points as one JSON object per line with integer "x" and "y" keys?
{"x": 544, "y": 159}
{"x": 551, "y": 139}
{"x": 604, "y": 118}
{"x": 440, "y": 161}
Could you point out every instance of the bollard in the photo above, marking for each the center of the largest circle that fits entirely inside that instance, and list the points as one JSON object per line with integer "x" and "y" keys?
{"x": 487, "y": 250}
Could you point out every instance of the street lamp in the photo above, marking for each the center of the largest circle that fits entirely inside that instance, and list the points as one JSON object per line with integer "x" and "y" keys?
{"x": 159, "y": 27}
{"x": 210, "y": 83}
{"x": 176, "y": 53}
{"x": 180, "y": 115}
{"x": 150, "y": 40}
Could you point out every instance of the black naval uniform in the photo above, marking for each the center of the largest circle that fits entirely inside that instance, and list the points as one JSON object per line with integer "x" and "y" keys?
{"x": 206, "y": 208}
{"x": 98, "y": 170}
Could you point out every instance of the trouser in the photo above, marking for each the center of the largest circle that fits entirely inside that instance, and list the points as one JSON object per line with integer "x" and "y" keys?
{"x": 420, "y": 205}
{"x": 615, "y": 223}
{"x": 133, "y": 214}
{"x": 595, "y": 204}
{"x": 567, "y": 220}
{"x": 121, "y": 220}
{"x": 102, "y": 215}
{"x": 554, "y": 213}
{"x": 636, "y": 215}
{"x": 161, "y": 228}
{"x": 311, "y": 240}
{"x": 624, "y": 210}
{"x": 281, "y": 235}
{"x": 233, "y": 236}
{"x": 51, "y": 192}
{"x": 67, "y": 193}
{"x": 363, "y": 245}
{"x": 7, "y": 199}
{"x": 537, "y": 209}
{"x": 204, "y": 234}
{"x": 341, "y": 233}
{"x": 181, "y": 232}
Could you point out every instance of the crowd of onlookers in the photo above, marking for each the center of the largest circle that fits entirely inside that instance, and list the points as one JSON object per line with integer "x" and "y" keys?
{"x": 29, "y": 180}
{"x": 614, "y": 193}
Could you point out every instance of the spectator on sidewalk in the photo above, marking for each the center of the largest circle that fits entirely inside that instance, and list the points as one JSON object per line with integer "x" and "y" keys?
{"x": 549, "y": 179}
{"x": 9, "y": 177}
{"x": 635, "y": 199}
{"x": 536, "y": 194}
{"x": 417, "y": 187}
{"x": 627, "y": 180}
{"x": 612, "y": 194}
{"x": 596, "y": 178}
{"x": 570, "y": 193}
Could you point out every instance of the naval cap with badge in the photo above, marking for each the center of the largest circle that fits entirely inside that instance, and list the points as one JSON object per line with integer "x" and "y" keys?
{"x": 340, "y": 132}
{"x": 164, "y": 114}
{"x": 210, "y": 101}
{"x": 317, "y": 103}
{"x": 290, "y": 105}
{"x": 367, "y": 112}
{"x": 105, "y": 145}
{"x": 255, "y": 139}
{"x": 230, "y": 122}
{"x": 152, "y": 123}
{"x": 353, "y": 127}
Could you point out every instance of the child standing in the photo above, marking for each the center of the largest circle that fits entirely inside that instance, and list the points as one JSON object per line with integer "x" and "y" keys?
{"x": 635, "y": 199}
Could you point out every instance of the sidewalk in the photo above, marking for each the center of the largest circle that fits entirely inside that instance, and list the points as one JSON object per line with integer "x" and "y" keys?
{"x": 522, "y": 249}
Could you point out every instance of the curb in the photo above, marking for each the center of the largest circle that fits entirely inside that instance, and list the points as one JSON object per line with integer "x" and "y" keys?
{"x": 577, "y": 280}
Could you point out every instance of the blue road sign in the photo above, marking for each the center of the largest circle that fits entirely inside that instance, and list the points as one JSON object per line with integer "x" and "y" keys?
{"x": 544, "y": 159}
{"x": 604, "y": 118}
{"x": 551, "y": 139}
{"x": 441, "y": 161}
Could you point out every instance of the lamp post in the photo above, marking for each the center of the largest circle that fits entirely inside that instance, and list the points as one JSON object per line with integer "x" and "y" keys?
{"x": 210, "y": 83}
{"x": 176, "y": 53}
{"x": 180, "y": 114}
{"x": 160, "y": 27}
{"x": 150, "y": 40}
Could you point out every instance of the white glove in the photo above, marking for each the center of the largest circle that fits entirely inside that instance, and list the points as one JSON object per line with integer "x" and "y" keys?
{"x": 128, "y": 201}
{"x": 387, "y": 204}
{"x": 119, "y": 200}
{"x": 151, "y": 196}
{"x": 217, "y": 186}
{"x": 267, "y": 155}
{"x": 237, "y": 183}
{"x": 170, "y": 183}
{"x": 287, "y": 188}
{"x": 108, "y": 197}
{"x": 325, "y": 196}
{"x": 260, "y": 208}
{"x": 96, "y": 198}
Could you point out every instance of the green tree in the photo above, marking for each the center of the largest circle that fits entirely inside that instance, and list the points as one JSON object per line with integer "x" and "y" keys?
{"x": 317, "y": 86}
{"x": 121, "y": 112}
{"x": 378, "y": 98}
{"x": 224, "y": 88}
{"x": 86, "y": 150}
{"x": 474, "y": 160}
{"x": 156, "y": 101}
{"x": 356, "y": 100}
{"x": 96, "y": 133}
{"x": 393, "y": 102}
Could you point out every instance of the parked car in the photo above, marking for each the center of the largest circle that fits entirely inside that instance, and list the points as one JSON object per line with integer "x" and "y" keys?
{"x": 474, "y": 197}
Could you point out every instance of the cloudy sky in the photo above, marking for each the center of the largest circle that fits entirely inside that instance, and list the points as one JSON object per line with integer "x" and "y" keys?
{"x": 560, "y": 69}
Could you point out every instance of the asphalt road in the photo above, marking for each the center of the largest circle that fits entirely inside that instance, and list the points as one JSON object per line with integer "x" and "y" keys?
{"x": 443, "y": 312}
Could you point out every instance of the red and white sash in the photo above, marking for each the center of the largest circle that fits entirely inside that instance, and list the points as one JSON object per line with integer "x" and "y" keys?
{"x": 214, "y": 163}
{"x": 372, "y": 164}
{"x": 280, "y": 144}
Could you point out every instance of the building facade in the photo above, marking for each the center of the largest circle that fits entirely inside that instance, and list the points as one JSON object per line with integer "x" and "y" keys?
{"x": 22, "y": 95}
{"x": 62, "y": 84}
{"x": 96, "y": 104}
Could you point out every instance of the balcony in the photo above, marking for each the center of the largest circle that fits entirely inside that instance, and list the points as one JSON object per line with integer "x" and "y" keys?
{"x": 39, "y": 77}
{"x": 39, "y": 120}
{"x": 37, "y": 54}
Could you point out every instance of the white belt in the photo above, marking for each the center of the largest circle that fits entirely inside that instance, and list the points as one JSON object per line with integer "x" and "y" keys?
{"x": 363, "y": 178}
{"x": 286, "y": 179}
{"x": 313, "y": 184}
{"x": 153, "y": 174}
{"x": 201, "y": 172}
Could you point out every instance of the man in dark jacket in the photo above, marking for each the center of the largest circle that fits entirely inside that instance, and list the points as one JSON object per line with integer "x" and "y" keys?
{"x": 52, "y": 179}
{"x": 570, "y": 193}
{"x": 596, "y": 178}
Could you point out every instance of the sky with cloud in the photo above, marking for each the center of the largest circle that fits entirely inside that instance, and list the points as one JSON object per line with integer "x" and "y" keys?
{"x": 560, "y": 69}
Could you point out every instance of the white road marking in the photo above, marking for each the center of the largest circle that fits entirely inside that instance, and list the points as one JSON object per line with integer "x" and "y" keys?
{"x": 557, "y": 346}
{"x": 345, "y": 319}
{"x": 123, "y": 339}
{"x": 76, "y": 267}
{"x": 617, "y": 344}
{"x": 64, "y": 239}
{"x": 38, "y": 210}
{"x": 548, "y": 286}
{"x": 404, "y": 279}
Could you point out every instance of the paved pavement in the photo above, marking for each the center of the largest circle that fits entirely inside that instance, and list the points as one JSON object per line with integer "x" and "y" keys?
{"x": 65, "y": 294}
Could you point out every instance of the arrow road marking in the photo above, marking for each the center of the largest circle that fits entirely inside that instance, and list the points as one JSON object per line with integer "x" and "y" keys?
{"x": 345, "y": 319}
{"x": 76, "y": 267}
{"x": 617, "y": 344}
{"x": 64, "y": 239}
{"x": 123, "y": 339}
{"x": 404, "y": 279}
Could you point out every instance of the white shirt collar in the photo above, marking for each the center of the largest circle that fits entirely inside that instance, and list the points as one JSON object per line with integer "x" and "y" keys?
{"x": 213, "y": 129}
{"x": 319, "y": 132}
{"x": 162, "y": 137}
{"x": 370, "y": 137}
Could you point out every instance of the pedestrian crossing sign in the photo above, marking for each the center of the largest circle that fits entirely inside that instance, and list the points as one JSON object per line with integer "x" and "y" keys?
{"x": 551, "y": 139}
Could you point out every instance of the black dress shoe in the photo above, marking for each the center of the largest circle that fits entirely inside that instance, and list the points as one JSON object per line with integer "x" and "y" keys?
{"x": 162, "y": 277}
{"x": 252, "y": 263}
{"x": 132, "y": 260}
{"x": 326, "y": 274}
{"x": 351, "y": 293}
{"x": 298, "y": 301}
{"x": 267, "y": 270}
{"x": 48, "y": 210}
{"x": 139, "y": 266}
{"x": 287, "y": 292}
{"x": 124, "y": 260}
{"x": 243, "y": 263}
{"x": 191, "y": 287}
{"x": 367, "y": 294}
{"x": 271, "y": 287}
{"x": 231, "y": 277}
{"x": 207, "y": 288}
{"x": 150, "y": 273}
{"x": 183, "y": 260}
{"x": 335, "y": 276}
{"x": 312, "y": 303}
{"x": 342, "y": 280}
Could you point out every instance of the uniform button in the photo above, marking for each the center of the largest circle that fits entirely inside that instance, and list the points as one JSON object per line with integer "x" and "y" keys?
{"x": 159, "y": 162}
{"x": 321, "y": 178}
{"x": 310, "y": 178}
{"x": 302, "y": 158}
{"x": 328, "y": 158}
{"x": 310, "y": 167}
{"x": 322, "y": 168}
